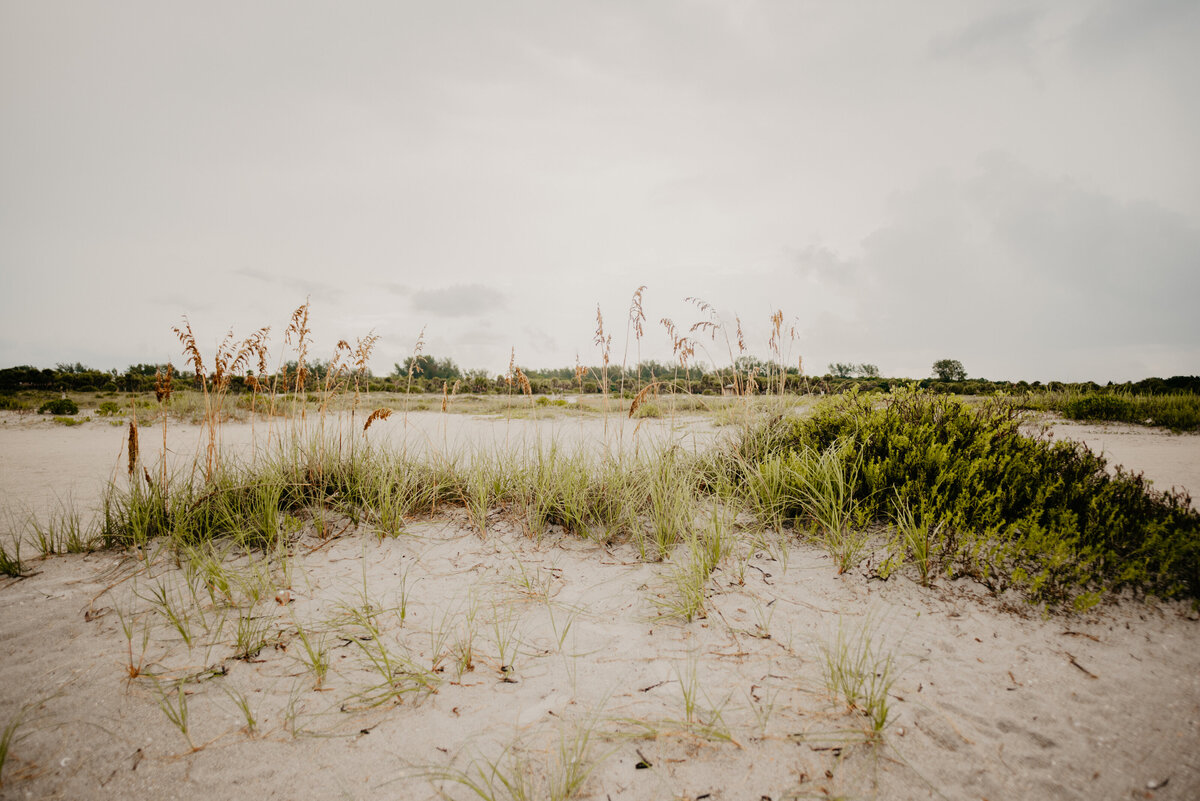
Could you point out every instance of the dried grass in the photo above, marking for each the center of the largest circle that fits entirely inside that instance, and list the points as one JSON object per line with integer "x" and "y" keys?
{"x": 133, "y": 446}
{"x": 648, "y": 391}
{"x": 378, "y": 414}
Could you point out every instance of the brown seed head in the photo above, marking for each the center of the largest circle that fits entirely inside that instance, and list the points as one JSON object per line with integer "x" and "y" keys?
{"x": 133, "y": 446}
{"x": 162, "y": 383}
{"x": 378, "y": 414}
{"x": 650, "y": 390}
{"x": 636, "y": 315}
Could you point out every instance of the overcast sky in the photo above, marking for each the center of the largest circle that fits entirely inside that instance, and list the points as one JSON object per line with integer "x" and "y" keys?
{"x": 1014, "y": 185}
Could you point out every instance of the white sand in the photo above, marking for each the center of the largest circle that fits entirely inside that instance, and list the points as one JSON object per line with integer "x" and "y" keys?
{"x": 989, "y": 701}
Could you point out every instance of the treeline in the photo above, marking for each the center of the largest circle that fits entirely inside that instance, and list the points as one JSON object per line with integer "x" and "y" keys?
{"x": 426, "y": 373}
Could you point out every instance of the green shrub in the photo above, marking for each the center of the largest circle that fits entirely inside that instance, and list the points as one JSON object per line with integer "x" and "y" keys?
{"x": 59, "y": 406}
{"x": 1011, "y": 510}
{"x": 648, "y": 409}
{"x": 1100, "y": 407}
{"x": 12, "y": 404}
{"x": 108, "y": 409}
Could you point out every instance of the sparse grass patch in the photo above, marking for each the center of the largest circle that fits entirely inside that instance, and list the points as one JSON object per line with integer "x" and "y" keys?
{"x": 859, "y": 675}
{"x": 520, "y": 772}
{"x": 63, "y": 532}
{"x": 173, "y": 702}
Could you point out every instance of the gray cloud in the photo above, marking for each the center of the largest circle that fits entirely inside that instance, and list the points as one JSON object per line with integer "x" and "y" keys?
{"x": 820, "y": 263}
{"x": 460, "y": 300}
{"x": 1117, "y": 29}
{"x": 1010, "y": 267}
{"x": 395, "y": 287}
{"x": 1004, "y": 37}
{"x": 299, "y": 287}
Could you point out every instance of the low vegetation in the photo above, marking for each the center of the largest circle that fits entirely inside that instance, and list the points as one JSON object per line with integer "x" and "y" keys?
{"x": 978, "y": 498}
{"x": 1178, "y": 411}
{"x": 908, "y": 481}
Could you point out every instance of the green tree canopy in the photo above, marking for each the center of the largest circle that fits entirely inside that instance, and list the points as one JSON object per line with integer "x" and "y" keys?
{"x": 949, "y": 370}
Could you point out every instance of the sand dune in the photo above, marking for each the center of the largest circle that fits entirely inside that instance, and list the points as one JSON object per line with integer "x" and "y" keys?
{"x": 514, "y": 657}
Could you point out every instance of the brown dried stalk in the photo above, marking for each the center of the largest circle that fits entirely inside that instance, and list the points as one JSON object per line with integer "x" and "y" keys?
{"x": 133, "y": 446}
{"x": 636, "y": 315}
{"x": 602, "y": 341}
{"x": 298, "y": 332}
{"x": 362, "y": 355}
{"x": 162, "y": 383}
{"x": 523, "y": 380}
{"x": 190, "y": 351}
{"x": 378, "y": 414}
{"x": 650, "y": 390}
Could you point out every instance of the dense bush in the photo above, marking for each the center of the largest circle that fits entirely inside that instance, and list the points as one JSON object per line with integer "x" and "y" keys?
{"x": 1099, "y": 407}
{"x": 59, "y": 406}
{"x": 108, "y": 409}
{"x": 1014, "y": 510}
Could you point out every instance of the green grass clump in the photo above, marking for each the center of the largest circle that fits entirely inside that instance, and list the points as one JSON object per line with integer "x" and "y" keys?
{"x": 59, "y": 406}
{"x": 108, "y": 409}
{"x": 1010, "y": 510}
{"x": 858, "y": 674}
{"x": 10, "y": 564}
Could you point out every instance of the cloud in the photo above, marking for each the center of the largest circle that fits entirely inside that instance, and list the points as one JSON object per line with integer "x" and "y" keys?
{"x": 1000, "y": 38}
{"x": 300, "y": 287}
{"x": 395, "y": 288}
{"x": 460, "y": 300}
{"x": 1121, "y": 29}
{"x": 817, "y": 262}
{"x": 1019, "y": 273}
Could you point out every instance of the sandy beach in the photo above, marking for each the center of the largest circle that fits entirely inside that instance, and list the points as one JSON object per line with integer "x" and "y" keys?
{"x": 522, "y": 667}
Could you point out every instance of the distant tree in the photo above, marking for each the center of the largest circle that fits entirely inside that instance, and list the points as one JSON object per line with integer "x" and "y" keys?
{"x": 949, "y": 370}
{"x": 847, "y": 370}
{"x": 77, "y": 367}
{"x": 425, "y": 366}
{"x": 142, "y": 369}
{"x": 841, "y": 369}
{"x": 867, "y": 370}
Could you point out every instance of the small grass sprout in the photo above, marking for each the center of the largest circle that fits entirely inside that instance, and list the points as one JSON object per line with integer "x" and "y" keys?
{"x": 9, "y": 736}
{"x": 243, "y": 705}
{"x": 516, "y": 775}
{"x": 10, "y": 564}
{"x": 316, "y": 655}
{"x": 857, "y": 673}
{"x": 252, "y": 635}
{"x": 173, "y": 701}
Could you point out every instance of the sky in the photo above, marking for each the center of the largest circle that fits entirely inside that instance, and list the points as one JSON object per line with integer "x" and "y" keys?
{"x": 1012, "y": 185}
